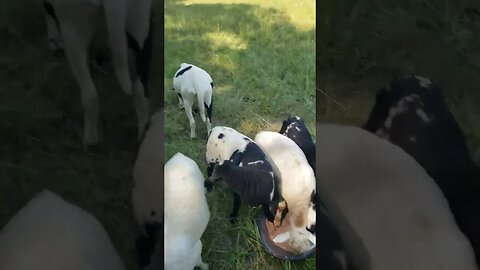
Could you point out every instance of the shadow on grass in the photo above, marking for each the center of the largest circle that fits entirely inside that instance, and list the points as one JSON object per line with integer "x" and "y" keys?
{"x": 263, "y": 70}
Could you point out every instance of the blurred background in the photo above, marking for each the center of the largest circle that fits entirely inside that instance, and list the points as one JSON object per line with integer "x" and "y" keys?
{"x": 362, "y": 45}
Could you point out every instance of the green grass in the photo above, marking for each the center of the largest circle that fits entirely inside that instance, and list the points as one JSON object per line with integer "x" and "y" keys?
{"x": 41, "y": 128}
{"x": 260, "y": 55}
{"x": 363, "y": 44}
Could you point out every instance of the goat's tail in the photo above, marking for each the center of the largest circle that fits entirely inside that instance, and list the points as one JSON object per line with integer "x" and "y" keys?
{"x": 116, "y": 20}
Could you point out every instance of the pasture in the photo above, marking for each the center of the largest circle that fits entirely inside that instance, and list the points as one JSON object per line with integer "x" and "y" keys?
{"x": 260, "y": 55}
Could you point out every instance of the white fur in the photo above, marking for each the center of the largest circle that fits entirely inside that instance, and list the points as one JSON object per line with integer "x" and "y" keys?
{"x": 219, "y": 150}
{"x": 78, "y": 21}
{"x": 186, "y": 214}
{"x": 50, "y": 233}
{"x": 195, "y": 86}
{"x": 386, "y": 207}
{"x": 147, "y": 194}
{"x": 298, "y": 183}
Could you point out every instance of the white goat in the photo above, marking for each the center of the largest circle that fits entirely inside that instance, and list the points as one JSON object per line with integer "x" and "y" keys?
{"x": 72, "y": 24}
{"x": 297, "y": 183}
{"x": 194, "y": 84}
{"x": 377, "y": 193}
{"x": 147, "y": 194}
{"x": 186, "y": 214}
{"x": 50, "y": 233}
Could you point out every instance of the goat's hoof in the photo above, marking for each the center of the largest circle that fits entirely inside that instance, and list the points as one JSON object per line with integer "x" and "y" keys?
{"x": 233, "y": 220}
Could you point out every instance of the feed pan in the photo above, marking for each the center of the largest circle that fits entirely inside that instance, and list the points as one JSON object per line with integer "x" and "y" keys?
{"x": 273, "y": 248}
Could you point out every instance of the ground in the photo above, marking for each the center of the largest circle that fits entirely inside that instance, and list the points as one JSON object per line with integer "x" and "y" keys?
{"x": 260, "y": 55}
{"x": 364, "y": 44}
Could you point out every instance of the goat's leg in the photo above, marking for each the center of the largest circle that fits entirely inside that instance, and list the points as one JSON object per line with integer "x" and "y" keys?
{"x": 279, "y": 216}
{"x": 77, "y": 55}
{"x": 188, "y": 109}
{"x": 268, "y": 214}
{"x": 198, "y": 250}
{"x": 180, "y": 101}
{"x": 209, "y": 116}
{"x": 141, "y": 104}
{"x": 236, "y": 206}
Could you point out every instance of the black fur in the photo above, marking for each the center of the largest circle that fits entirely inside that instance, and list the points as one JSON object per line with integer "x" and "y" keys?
{"x": 51, "y": 12}
{"x": 439, "y": 147}
{"x": 302, "y": 138}
{"x": 252, "y": 183}
{"x": 145, "y": 244}
{"x": 182, "y": 71}
{"x": 209, "y": 110}
{"x": 143, "y": 56}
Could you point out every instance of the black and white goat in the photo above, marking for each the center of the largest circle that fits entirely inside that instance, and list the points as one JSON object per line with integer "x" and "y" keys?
{"x": 71, "y": 26}
{"x": 50, "y": 233}
{"x": 147, "y": 194}
{"x": 194, "y": 84}
{"x": 186, "y": 214}
{"x": 239, "y": 161}
{"x": 389, "y": 211}
{"x": 413, "y": 114}
{"x": 294, "y": 128}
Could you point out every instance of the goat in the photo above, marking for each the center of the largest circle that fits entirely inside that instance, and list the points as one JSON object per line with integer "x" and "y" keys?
{"x": 192, "y": 83}
{"x": 186, "y": 214}
{"x": 390, "y": 213}
{"x": 297, "y": 183}
{"x": 50, "y": 233}
{"x": 294, "y": 128}
{"x": 239, "y": 161}
{"x": 413, "y": 115}
{"x": 147, "y": 194}
{"x": 71, "y": 25}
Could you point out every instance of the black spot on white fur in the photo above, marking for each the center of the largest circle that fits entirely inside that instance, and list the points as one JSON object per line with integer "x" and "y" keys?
{"x": 249, "y": 175}
{"x": 439, "y": 145}
{"x": 183, "y": 71}
{"x": 294, "y": 128}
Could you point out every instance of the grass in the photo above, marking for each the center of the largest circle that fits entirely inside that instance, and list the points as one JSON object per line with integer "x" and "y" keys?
{"x": 41, "y": 128}
{"x": 363, "y": 44}
{"x": 260, "y": 55}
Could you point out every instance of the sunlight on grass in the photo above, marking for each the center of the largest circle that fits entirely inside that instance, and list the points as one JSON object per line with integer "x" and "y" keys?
{"x": 261, "y": 56}
{"x": 300, "y": 13}
{"x": 219, "y": 40}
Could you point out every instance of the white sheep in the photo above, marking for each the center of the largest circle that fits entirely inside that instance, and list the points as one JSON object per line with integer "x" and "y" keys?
{"x": 50, "y": 233}
{"x": 297, "y": 183}
{"x": 192, "y": 83}
{"x": 186, "y": 214}
{"x": 243, "y": 166}
{"x": 147, "y": 194}
{"x": 71, "y": 26}
{"x": 390, "y": 213}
